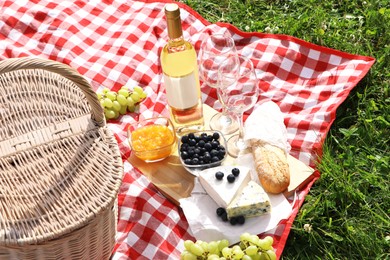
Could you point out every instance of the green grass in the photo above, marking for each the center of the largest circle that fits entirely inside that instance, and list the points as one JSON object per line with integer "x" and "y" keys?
{"x": 348, "y": 208}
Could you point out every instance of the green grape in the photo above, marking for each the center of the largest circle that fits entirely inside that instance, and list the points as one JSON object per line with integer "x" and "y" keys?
{"x": 102, "y": 102}
{"x": 227, "y": 252}
{"x": 187, "y": 256}
{"x": 254, "y": 239}
{"x": 199, "y": 242}
{"x": 109, "y": 113}
{"x": 246, "y": 257}
{"x": 123, "y": 110}
{"x": 130, "y": 101}
{"x": 99, "y": 95}
{"x": 236, "y": 247}
{"x": 196, "y": 249}
{"x": 143, "y": 95}
{"x": 251, "y": 250}
{"x": 121, "y": 99}
{"x": 245, "y": 236}
{"x": 271, "y": 254}
{"x": 188, "y": 244}
{"x": 107, "y": 103}
{"x": 111, "y": 95}
{"x": 116, "y": 114}
{"x": 213, "y": 257}
{"x": 264, "y": 244}
{"x": 138, "y": 89}
{"x": 237, "y": 253}
{"x": 222, "y": 244}
{"x": 256, "y": 256}
{"x": 135, "y": 96}
{"x": 116, "y": 106}
{"x": 131, "y": 108}
{"x": 124, "y": 92}
{"x": 213, "y": 247}
{"x": 263, "y": 256}
{"x": 269, "y": 240}
{"x": 205, "y": 246}
{"x": 105, "y": 90}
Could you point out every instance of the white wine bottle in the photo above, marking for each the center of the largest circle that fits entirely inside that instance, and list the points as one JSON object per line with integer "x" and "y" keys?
{"x": 180, "y": 70}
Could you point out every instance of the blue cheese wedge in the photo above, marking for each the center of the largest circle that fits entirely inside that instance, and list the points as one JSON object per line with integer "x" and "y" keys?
{"x": 253, "y": 201}
{"x": 221, "y": 191}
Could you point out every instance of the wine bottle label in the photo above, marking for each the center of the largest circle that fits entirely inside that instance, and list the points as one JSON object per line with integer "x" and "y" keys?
{"x": 182, "y": 92}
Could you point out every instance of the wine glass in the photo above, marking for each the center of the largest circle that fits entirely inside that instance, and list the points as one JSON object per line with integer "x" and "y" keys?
{"x": 213, "y": 50}
{"x": 239, "y": 91}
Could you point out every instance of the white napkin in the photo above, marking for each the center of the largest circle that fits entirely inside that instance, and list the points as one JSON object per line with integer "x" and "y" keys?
{"x": 265, "y": 123}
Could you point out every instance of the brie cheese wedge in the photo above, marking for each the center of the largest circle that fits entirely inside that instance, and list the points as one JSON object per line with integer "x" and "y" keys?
{"x": 222, "y": 191}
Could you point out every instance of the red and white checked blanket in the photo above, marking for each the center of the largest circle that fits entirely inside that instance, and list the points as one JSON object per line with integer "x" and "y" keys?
{"x": 115, "y": 43}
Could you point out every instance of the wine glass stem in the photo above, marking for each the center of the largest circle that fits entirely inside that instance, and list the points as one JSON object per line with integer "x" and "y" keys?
{"x": 225, "y": 115}
{"x": 240, "y": 119}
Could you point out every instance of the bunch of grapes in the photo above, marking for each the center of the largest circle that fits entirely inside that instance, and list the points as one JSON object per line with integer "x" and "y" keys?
{"x": 121, "y": 102}
{"x": 250, "y": 247}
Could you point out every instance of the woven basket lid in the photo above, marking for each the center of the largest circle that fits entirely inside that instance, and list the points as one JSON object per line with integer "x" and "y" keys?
{"x": 60, "y": 166}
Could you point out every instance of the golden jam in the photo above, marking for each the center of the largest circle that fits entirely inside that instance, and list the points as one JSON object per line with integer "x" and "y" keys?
{"x": 152, "y": 142}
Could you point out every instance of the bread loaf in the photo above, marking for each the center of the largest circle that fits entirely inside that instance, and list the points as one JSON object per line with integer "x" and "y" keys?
{"x": 271, "y": 166}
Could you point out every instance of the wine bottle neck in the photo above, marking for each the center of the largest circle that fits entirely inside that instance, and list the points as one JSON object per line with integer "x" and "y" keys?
{"x": 175, "y": 32}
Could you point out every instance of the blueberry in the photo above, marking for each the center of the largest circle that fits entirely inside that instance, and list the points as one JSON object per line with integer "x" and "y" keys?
{"x": 219, "y": 175}
{"x": 233, "y": 221}
{"x": 184, "y": 139}
{"x": 191, "y": 135}
{"x": 221, "y": 154}
{"x": 235, "y": 172}
{"x": 195, "y": 161}
{"x": 201, "y": 143}
{"x": 215, "y": 136}
{"x": 209, "y": 138}
{"x": 192, "y": 142}
{"x": 215, "y": 144}
{"x": 208, "y": 146}
{"x": 188, "y": 161}
{"x": 184, "y": 147}
{"x": 241, "y": 220}
{"x": 184, "y": 155}
{"x": 207, "y": 157}
{"x": 220, "y": 211}
{"x": 231, "y": 178}
{"x": 213, "y": 153}
{"x": 224, "y": 216}
{"x": 197, "y": 151}
{"x": 191, "y": 153}
{"x": 203, "y": 137}
{"x": 215, "y": 159}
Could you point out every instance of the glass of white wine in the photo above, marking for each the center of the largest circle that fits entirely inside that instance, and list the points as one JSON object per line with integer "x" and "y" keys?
{"x": 213, "y": 50}
{"x": 240, "y": 92}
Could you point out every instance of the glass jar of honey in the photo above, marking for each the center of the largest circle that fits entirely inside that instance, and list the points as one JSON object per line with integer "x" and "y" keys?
{"x": 152, "y": 139}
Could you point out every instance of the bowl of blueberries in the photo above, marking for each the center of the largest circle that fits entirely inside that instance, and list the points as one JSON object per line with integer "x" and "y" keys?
{"x": 201, "y": 150}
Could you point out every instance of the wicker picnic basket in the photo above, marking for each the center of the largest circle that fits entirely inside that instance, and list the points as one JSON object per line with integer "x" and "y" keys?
{"x": 60, "y": 166}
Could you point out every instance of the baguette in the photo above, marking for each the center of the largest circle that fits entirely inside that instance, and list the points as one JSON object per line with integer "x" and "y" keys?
{"x": 271, "y": 166}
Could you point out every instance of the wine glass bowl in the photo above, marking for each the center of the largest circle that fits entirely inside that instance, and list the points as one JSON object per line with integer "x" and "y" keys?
{"x": 213, "y": 51}
{"x": 240, "y": 91}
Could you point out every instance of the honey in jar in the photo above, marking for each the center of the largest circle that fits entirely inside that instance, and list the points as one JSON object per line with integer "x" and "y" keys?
{"x": 152, "y": 142}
